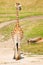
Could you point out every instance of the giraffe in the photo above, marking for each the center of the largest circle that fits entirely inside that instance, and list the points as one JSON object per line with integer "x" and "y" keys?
{"x": 17, "y": 34}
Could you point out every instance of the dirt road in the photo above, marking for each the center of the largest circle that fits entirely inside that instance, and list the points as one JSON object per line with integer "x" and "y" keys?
{"x": 7, "y": 53}
{"x": 24, "y": 19}
{"x": 7, "y": 50}
{"x": 6, "y": 58}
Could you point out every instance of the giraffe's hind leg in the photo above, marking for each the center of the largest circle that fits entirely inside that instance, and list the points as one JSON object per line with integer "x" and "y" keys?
{"x": 17, "y": 53}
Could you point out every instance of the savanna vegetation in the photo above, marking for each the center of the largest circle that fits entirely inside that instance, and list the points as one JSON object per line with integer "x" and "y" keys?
{"x": 31, "y": 28}
{"x": 29, "y": 8}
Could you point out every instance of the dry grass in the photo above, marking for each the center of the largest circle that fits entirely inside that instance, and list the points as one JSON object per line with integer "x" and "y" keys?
{"x": 29, "y": 7}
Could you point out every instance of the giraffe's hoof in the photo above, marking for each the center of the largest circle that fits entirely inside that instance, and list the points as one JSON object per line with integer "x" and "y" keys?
{"x": 17, "y": 58}
{"x": 14, "y": 57}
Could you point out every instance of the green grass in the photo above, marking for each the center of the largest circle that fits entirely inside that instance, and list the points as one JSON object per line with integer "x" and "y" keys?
{"x": 33, "y": 48}
{"x": 7, "y": 17}
{"x": 31, "y": 29}
{"x": 6, "y": 31}
{"x": 29, "y": 8}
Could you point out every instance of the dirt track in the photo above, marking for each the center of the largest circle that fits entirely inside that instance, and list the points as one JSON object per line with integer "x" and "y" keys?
{"x": 33, "y": 18}
{"x": 7, "y": 51}
{"x": 6, "y": 58}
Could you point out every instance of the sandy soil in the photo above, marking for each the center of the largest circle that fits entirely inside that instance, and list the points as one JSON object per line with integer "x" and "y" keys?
{"x": 6, "y": 58}
{"x": 7, "y": 53}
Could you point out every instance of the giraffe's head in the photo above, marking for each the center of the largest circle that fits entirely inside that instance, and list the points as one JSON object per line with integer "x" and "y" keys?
{"x": 18, "y": 5}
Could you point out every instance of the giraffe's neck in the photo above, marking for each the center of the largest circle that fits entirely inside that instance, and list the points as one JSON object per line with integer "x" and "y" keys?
{"x": 17, "y": 17}
{"x": 17, "y": 28}
{"x": 17, "y": 24}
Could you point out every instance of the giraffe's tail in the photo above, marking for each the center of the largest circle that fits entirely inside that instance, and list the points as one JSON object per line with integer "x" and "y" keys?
{"x": 17, "y": 46}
